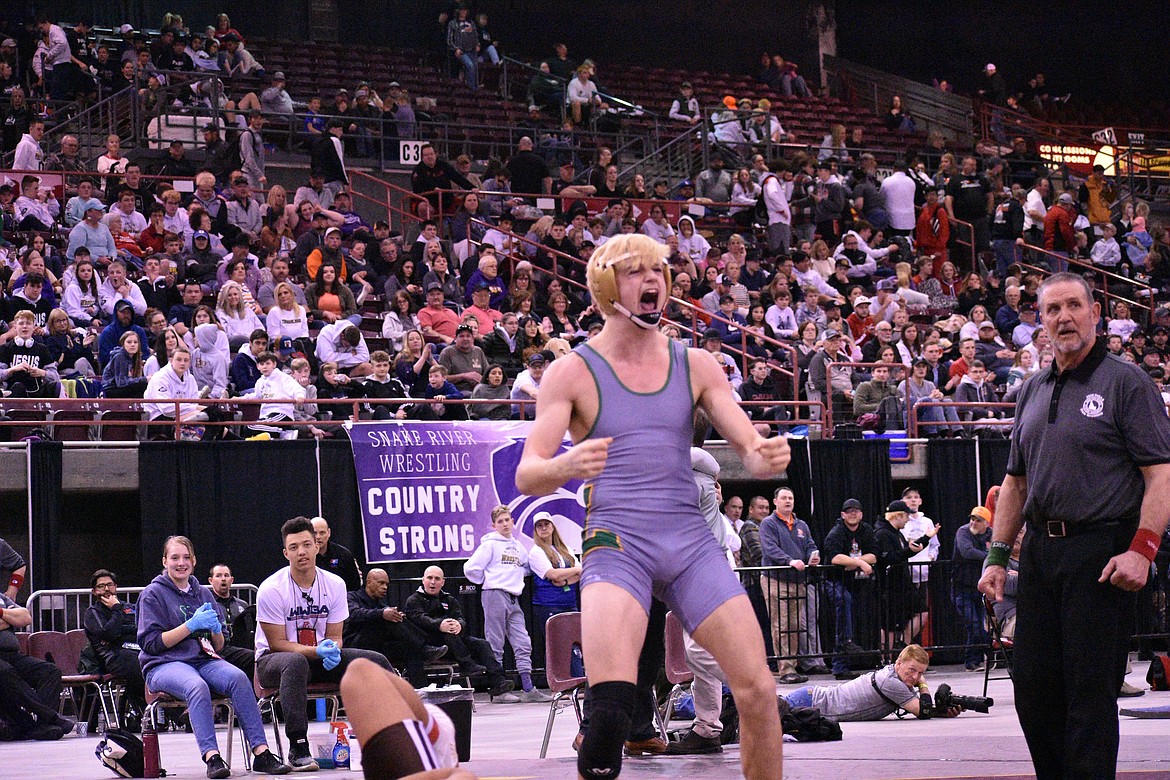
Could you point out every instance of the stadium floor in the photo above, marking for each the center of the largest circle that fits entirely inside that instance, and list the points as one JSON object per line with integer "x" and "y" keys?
{"x": 506, "y": 740}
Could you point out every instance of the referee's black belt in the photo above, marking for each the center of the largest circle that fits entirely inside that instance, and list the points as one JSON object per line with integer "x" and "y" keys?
{"x": 1059, "y": 529}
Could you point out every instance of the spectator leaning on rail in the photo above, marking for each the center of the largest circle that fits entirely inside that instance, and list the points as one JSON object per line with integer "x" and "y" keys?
{"x": 787, "y": 542}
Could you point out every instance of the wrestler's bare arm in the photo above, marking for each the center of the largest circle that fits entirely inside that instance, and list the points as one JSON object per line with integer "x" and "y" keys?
{"x": 541, "y": 469}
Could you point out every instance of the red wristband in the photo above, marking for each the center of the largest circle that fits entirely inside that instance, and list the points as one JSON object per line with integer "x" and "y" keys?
{"x": 1145, "y": 543}
{"x": 16, "y": 581}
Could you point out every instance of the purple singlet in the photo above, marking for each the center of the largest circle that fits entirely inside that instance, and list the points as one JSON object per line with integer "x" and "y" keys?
{"x": 643, "y": 528}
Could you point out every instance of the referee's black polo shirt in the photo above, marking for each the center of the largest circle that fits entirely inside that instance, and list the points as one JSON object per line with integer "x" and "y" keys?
{"x": 1081, "y": 436}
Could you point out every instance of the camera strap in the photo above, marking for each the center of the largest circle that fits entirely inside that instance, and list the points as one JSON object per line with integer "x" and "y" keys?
{"x": 899, "y": 712}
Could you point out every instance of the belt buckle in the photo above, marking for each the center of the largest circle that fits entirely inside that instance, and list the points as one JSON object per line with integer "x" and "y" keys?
{"x": 1056, "y": 529}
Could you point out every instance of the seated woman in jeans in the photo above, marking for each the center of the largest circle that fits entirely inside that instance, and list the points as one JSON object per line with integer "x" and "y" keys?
{"x": 180, "y": 633}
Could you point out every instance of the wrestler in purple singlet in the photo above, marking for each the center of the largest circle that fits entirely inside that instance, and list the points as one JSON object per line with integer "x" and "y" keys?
{"x": 643, "y": 529}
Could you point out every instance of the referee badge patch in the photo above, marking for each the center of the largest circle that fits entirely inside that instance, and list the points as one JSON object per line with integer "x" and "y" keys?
{"x": 1094, "y": 405}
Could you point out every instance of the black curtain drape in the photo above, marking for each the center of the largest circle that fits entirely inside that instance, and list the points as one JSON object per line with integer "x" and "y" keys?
{"x": 231, "y": 498}
{"x": 44, "y": 485}
{"x": 823, "y": 474}
{"x": 954, "y": 487}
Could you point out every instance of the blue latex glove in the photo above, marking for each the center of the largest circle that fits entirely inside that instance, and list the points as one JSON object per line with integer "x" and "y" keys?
{"x": 204, "y": 619}
{"x": 329, "y": 653}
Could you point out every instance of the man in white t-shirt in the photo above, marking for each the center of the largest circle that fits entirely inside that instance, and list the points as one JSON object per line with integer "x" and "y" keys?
{"x": 1034, "y": 212}
{"x": 301, "y": 611}
{"x": 899, "y": 190}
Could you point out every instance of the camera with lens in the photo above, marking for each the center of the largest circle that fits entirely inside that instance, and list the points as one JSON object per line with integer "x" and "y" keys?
{"x": 944, "y": 700}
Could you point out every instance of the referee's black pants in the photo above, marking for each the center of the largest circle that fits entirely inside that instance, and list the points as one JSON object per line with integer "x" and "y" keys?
{"x": 1072, "y": 637}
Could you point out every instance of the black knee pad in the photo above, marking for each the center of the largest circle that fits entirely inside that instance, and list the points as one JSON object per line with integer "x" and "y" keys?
{"x": 611, "y": 711}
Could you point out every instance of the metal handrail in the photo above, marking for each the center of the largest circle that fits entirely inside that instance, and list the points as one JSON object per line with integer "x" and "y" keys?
{"x": 683, "y": 141}
{"x": 912, "y": 422}
{"x": 70, "y": 604}
{"x": 101, "y": 405}
{"x": 569, "y": 259}
{"x": 969, "y": 243}
{"x": 851, "y": 364}
{"x": 176, "y": 423}
{"x": 697, "y": 312}
{"x": 1089, "y": 267}
{"x": 936, "y": 109}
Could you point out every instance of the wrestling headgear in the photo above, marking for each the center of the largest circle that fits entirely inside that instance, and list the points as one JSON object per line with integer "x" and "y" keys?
{"x": 601, "y": 274}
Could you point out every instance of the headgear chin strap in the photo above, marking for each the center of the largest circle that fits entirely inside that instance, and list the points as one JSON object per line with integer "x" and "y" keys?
{"x": 647, "y": 321}
{"x": 609, "y": 291}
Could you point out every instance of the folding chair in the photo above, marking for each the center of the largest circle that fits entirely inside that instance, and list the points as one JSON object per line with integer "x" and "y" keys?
{"x": 156, "y": 700}
{"x": 266, "y": 698}
{"x": 64, "y": 652}
{"x": 562, "y": 632}
{"x": 1001, "y": 647}
{"x": 678, "y": 673}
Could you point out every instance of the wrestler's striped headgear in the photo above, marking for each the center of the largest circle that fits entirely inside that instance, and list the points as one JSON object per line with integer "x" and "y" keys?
{"x": 601, "y": 274}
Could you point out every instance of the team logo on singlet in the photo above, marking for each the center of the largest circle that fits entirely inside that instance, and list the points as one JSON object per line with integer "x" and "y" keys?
{"x": 1094, "y": 406}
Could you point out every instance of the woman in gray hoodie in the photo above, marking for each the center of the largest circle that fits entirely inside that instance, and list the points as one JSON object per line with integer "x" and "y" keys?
{"x": 180, "y": 633}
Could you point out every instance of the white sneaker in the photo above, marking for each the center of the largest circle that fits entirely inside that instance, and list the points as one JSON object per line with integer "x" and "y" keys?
{"x": 535, "y": 696}
{"x": 506, "y": 698}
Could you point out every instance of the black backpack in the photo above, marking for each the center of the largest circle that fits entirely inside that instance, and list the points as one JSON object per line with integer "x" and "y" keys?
{"x": 807, "y": 724}
{"x": 121, "y": 751}
{"x": 230, "y": 158}
{"x": 1159, "y": 675}
{"x": 761, "y": 209}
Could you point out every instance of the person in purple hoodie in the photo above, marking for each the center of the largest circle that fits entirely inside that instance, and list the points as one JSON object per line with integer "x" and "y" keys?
{"x": 180, "y": 633}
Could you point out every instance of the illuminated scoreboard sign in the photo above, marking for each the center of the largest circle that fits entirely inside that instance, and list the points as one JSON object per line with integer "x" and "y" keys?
{"x": 1080, "y": 159}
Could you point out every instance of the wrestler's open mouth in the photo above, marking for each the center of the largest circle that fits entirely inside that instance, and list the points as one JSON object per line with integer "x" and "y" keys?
{"x": 648, "y": 301}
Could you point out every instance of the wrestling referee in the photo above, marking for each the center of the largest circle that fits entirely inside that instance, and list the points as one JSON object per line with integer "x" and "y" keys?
{"x": 1089, "y": 471}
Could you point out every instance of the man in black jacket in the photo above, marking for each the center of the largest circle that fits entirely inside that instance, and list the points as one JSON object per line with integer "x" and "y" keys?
{"x": 111, "y": 626}
{"x": 30, "y": 689}
{"x": 435, "y": 174}
{"x": 334, "y": 558}
{"x": 375, "y": 625}
{"x": 438, "y": 614}
{"x": 327, "y": 158}
{"x": 239, "y": 630}
{"x": 893, "y": 556}
{"x": 850, "y": 545}
{"x": 503, "y": 348}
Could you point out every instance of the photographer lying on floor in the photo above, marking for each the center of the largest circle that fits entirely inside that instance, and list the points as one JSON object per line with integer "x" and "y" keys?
{"x": 895, "y": 688}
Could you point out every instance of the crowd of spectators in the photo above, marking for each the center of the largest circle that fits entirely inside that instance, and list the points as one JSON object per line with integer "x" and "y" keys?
{"x": 800, "y": 258}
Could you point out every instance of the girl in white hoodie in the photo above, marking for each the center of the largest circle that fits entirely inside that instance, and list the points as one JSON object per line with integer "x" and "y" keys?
{"x": 499, "y": 566}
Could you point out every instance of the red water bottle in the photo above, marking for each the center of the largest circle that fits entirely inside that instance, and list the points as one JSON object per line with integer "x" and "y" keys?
{"x": 150, "y": 757}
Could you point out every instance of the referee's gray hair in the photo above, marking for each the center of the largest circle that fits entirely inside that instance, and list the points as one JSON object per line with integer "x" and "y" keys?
{"x": 1066, "y": 277}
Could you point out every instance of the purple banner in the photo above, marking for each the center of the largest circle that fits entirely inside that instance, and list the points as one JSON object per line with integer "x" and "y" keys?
{"x": 427, "y": 489}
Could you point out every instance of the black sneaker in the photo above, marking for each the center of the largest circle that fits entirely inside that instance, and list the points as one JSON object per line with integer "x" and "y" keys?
{"x": 216, "y": 767}
{"x": 472, "y": 669}
{"x": 433, "y": 653}
{"x": 300, "y": 759}
{"x": 501, "y": 686}
{"x": 693, "y": 745}
{"x": 268, "y": 764}
{"x": 846, "y": 675}
{"x": 814, "y": 669}
{"x": 792, "y": 678}
{"x": 45, "y": 733}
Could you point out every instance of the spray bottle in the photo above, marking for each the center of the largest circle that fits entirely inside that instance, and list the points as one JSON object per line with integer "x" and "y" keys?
{"x": 341, "y": 747}
{"x": 355, "y": 752}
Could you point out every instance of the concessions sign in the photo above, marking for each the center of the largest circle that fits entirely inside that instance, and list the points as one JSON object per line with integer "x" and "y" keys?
{"x": 427, "y": 489}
